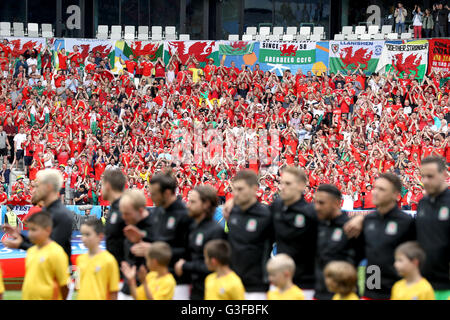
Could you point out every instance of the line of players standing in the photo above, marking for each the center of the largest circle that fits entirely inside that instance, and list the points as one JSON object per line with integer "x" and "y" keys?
{"x": 312, "y": 234}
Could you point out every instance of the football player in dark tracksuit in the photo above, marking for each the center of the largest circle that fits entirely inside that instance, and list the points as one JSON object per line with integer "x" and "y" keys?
{"x": 295, "y": 226}
{"x": 113, "y": 185}
{"x": 382, "y": 232}
{"x": 138, "y": 228}
{"x": 170, "y": 223}
{"x": 201, "y": 205}
{"x": 433, "y": 225}
{"x": 250, "y": 235}
{"x": 332, "y": 243}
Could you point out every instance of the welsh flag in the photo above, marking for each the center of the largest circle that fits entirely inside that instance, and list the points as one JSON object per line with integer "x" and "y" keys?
{"x": 201, "y": 50}
{"x": 349, "y": 55}
{"x": 409, "y": 58}
{"x": 152, "y": 49}
{"x": 236, "y": 48}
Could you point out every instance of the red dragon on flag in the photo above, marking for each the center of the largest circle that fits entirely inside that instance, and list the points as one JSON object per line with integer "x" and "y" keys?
{"x": 238, "y": 45}
{"x": 360, "y": 58}
{"x": 410, "y": 64}
{"x": 149, "y": 49}
{"x": 18, "y": 47}
{"x": 288, "y": 50}
{"x": 200, "y": 49}
{"x": 86, "y": 48}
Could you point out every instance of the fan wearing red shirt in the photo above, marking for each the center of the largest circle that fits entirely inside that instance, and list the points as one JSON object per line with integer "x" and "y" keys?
{"x": 3, "y": 196}
{"x": 130, "y": 64}
{"x": 368, "y": 204}
{"x": 75, "y": 56}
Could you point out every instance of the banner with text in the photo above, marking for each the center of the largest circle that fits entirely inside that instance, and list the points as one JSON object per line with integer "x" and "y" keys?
{"x": 351, "y": 55}
{"x": 409, "y": 58}
{"x": 439, "y": 55}
{"x": 278, "y": 56}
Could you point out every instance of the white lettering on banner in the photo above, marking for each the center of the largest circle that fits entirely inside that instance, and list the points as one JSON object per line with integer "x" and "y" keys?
{"x": 73, "y": 21}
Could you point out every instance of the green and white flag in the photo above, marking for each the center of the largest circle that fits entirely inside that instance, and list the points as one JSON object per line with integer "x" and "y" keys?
{"x": 277, "y": 52}
{"x": 349, "y": 55}
{"x": 409, "y": 58}
{"x": 235, "y": 48}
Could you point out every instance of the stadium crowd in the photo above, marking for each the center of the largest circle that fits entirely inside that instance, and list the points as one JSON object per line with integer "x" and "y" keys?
{"x": 209, "y": 122}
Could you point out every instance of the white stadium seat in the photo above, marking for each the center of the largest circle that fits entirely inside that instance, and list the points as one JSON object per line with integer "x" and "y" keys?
{"x": 18, "y": 29}
{"x": 346, "y": 30}
{"x": 315, "y": 37}
{"x": 33, "y": 30}
{"x": 5, "y": 29}
{"x": 251, "y": 30}
{"x": 265, "y": 31}
{"x": 378, "y": 36}
{"x": 278, "y": 31}
{"x": 392, "y": 36}
{"x": 386, "y": 29}
{"x": 359, "y": 30}
{"x": 232, "y": 37}
{"x": 291, "y": 30}
{"x": 406, "y": 36}
{"x": 47, "y": 30}
{"x": 373, "y": 29}
{"x": 116, "y": 32}
{"x": 186, "y": 37}
{"x": 156, "y": 32}
{"x": 352, "y": 37}
{"x": 288, "y": 37}
{"x": 273, "y": 37}
{"x": 339, "y": 37}
{"x": 129, "y": 33}
{"x": 142, "y": 33}
{"x": 320, "y": 31}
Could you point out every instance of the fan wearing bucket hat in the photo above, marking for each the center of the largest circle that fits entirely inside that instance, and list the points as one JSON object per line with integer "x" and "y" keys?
{"x": 19, "y": 184}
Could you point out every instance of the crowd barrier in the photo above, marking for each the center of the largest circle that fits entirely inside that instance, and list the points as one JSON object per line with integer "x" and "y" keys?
{"x": 397, "y": 56}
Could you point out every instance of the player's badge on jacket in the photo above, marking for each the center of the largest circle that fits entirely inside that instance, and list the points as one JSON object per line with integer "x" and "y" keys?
{"x": 443, "y": 214}
{"x": 299, "y": 221}
{"x": 337, "y": 234}
{"x": 199, "y": 239}
{"x": 170, "y": 223}
{"x": 251, "y": 225}
{"x": 391, "y": 228}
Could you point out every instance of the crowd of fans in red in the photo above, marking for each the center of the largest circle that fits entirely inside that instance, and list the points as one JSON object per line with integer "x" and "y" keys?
{"x": 342, "y": 129}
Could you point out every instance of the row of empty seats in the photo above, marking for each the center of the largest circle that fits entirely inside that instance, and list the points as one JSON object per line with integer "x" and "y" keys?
{"x": 129, "y": 33}
{"x": 32, "y": 30}
{"x": 315, "y": 33}
{"x": 373, "y": 32}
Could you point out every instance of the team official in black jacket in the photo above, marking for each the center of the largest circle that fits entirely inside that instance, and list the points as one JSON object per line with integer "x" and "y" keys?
{"x": 48, "y": 185}
{"x": 433, "y": 225}
{"x": 295, "y": 226}
{"x": 250, "y": 235}
{"x": 170, "y": 223}
{"x": 138, "y": 228}
{"x": 202, "y": 203}
{"x": 113, "y": 185}
{"x": 332, "y": 243}
{"x": 382, "y": 232}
